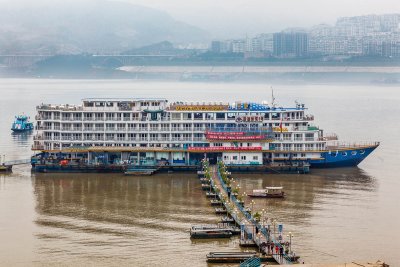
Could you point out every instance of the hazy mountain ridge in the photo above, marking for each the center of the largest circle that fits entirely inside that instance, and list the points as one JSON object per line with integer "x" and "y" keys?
{"x": 95, "y": 27}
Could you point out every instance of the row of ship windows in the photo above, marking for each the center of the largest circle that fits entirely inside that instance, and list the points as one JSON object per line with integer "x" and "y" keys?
{"x": 286, "y": 155}
{"x": 66, "y": 145}
{"x": 155, "y": 137}
{"x": 173, "y": 116}
{"x": 238, "y": 144}
{"x": 121, "y": 104}
{"x": 144, "y": 126}
{"x": 237, "y": 157}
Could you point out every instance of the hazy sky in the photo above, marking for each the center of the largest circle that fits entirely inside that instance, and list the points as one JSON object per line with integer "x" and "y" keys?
{"x": 234, "y": 18}
{"x": 224, "y": 17}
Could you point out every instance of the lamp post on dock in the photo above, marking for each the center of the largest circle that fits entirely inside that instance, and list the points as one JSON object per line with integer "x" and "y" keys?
{"x": 235, "y": 212}
{"x": 252, "y": 206}
{"x": 244, "y": 197}
{"x": 263, "y": 216}
{"x": 273, "y": 221}
{"x": 290, "y": 235}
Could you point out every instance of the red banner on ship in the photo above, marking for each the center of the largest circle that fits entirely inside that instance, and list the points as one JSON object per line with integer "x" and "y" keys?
{"x": 225, "y": 133}
{"x": 228, "y": 137}
{"x": 225, "y": 148}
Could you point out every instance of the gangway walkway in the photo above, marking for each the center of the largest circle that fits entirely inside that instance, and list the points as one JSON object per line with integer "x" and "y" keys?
{"x": 244, "y": 218}
{"x": 17, "y": 162}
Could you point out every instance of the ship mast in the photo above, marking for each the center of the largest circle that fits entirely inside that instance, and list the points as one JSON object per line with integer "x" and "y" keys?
{"x": 272, "y": 98}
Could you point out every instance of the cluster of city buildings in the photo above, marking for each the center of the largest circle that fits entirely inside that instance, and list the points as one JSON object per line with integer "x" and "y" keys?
{"x": 371, "y": 35}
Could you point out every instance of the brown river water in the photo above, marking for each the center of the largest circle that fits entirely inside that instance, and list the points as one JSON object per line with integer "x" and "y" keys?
{"x": 336, "y": 215}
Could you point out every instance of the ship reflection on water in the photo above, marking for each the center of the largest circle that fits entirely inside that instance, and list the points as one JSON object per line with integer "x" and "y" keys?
{"x": 22, "y": 138}
{"x": 125, "y": 214}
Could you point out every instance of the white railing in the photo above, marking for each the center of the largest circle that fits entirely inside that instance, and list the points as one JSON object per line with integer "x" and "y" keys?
{"x": 339, "y": 145}
{"x": 59, "y": 107}
{"x": 37, "y": 147}
{"x": 297, "y": 149}
{"x": 201, "y": 129}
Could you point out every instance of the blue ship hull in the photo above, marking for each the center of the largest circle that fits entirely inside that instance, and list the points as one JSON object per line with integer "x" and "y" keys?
{"x": 342, "y": 158}
{"x": 21, "y": 130}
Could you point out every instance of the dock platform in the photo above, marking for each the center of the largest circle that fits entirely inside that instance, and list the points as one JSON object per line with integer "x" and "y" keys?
{"x": 252, "y": 232}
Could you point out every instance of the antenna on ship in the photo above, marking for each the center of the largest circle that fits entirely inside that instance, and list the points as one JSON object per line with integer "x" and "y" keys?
{"x": 272, "y": 97}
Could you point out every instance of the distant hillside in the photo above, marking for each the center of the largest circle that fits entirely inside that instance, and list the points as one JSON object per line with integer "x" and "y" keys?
{"x": 160, "y": 48}
{"x": 94, "y": 27}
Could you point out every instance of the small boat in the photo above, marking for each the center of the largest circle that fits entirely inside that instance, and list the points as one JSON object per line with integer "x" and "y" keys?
{"x": 268, "y": 192}
{"x": 221, "y": 230}
{"x": 5, "y": 168}
{"x": 227, "y": 219}
{"x": 205, "y": 181}
{"x": 205, "y": 186}
{"x": 215, "y": 233}
{"x": 210, "y": 231}
{"x": 216, "y": 202}
{"x": 140, "y": 172}
{"x": 220, "y": 210}
{"x": 22, "y": 124}
{"x": 211, "y": 194}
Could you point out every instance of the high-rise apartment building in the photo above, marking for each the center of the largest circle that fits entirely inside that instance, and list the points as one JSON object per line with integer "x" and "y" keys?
{"x": 290, "y": 44}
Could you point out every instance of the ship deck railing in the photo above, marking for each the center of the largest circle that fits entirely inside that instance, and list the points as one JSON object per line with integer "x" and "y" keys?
{"x": 60, "y": 107}
{"x": 341, "y": 145}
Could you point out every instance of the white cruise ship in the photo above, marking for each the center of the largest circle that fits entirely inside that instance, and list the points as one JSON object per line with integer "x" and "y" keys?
{"x": 139, "y": 132}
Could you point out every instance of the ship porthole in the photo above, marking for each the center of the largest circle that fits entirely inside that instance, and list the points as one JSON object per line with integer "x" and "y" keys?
{"x": 344, "y": 154}
{"x": 362, "y": 151}
{"x": 354, "y": 153}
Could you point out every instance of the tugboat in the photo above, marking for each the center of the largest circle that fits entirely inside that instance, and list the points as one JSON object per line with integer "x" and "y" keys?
{"x": 22, "y": 124}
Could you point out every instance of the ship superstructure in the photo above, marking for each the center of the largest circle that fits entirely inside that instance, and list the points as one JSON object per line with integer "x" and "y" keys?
{"x": 140, "y": 131}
